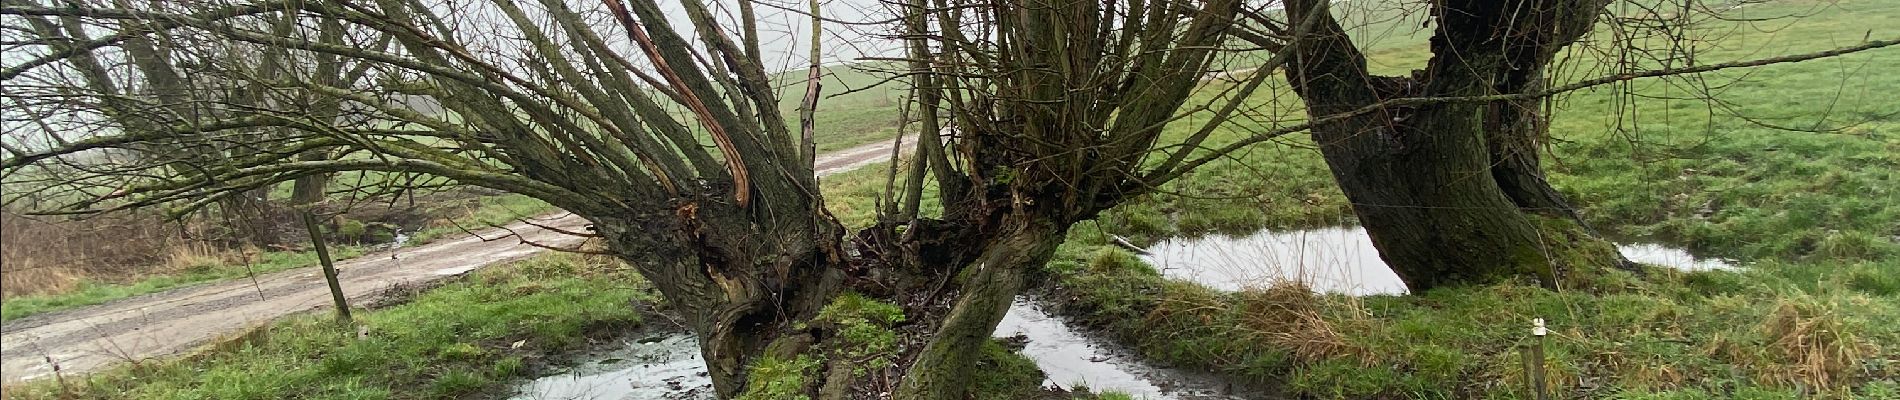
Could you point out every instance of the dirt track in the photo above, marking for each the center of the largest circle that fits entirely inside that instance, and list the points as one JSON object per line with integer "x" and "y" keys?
{"x": 174, "y": 322}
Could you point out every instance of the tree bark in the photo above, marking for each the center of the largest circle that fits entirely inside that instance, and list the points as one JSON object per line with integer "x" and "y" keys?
{"x": 740, "y": 285}
{"x": 752, "y": 292}
{"x": 1425, "y": 195}
{"x": 308, "y": 189}
{"x": 944, "y": 369}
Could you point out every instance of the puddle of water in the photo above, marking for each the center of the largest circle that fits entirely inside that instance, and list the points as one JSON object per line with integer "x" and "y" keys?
{"x": 671, "y": 368}
{"x": 1336, "y": 260}
{"x": 1659, "y": 254}
{"x": 665, "y": 369}
{"x": 401, "y": 239}
{"x": 1072, "y": 359}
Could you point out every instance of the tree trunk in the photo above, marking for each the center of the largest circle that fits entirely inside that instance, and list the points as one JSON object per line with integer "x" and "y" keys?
{"x": 1425, "y": 194}
{"x": 1451, "y": 193}
{"x": 755, "y": 293}
{"x": 309, "y": 189}
{"x": 250, "y": 216}
{"x": 739, "y": 285}
{"x": 944, "y": 369}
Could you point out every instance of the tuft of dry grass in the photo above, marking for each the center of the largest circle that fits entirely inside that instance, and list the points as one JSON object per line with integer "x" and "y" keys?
{"x": 195, "y": 257}
{"x": 46, "y": 255}
{"x": 25, "y": 277}
{"x": 1290, "y": 316}
{"x": 1811, "y": 346}
{"x": 51, "y": 256}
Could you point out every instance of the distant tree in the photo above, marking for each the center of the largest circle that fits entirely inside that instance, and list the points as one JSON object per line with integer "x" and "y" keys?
{"x": 144, "y": 83}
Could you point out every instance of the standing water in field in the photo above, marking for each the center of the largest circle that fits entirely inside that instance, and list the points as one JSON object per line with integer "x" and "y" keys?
{"x": 1072, "y": 359}
{"x": 1335, "y": 260}
{"x": 661, "y": 368}
{"x": 1659, "y": 254}
{"x": 1338, "y": 260}
{"x": 670, "y": 368}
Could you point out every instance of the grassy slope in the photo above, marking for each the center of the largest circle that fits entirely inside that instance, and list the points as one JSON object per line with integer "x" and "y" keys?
{"x": 867, "y": 113}
{"x": 1815, "y": 214}
{"x": 1813, "y": 211}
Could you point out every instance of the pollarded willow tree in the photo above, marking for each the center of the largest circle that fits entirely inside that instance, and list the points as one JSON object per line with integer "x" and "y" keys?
{"x": 1442, "y": 165}
{"x": 1450, "y": 192}
{"x": 669, "y": 139}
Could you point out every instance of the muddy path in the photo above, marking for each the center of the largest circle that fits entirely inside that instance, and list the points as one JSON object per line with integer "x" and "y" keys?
{"x": 175, "y": 322}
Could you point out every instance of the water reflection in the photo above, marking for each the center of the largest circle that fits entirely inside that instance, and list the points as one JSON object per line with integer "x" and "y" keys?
{"x": 1659, "y": 254}
{"x": 664, "y": 368}
{"x": 1072, "y": 359}
{"x": 1336, "y": 260}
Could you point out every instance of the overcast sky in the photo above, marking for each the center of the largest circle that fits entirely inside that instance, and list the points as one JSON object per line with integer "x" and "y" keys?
{"x": 783, "y": 35}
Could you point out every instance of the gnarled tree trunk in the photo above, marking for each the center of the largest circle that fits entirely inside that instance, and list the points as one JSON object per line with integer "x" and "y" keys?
{"x": 1451, "y": 192}
{"x": 753, "y": 292}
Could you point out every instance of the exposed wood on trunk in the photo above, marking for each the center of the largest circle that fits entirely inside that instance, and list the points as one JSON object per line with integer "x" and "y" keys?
{"x": 808, "y": 108}
{"x": 735, "y": 162}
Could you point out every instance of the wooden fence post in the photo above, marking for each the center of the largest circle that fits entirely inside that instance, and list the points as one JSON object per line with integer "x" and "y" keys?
{"x": 1536, "y": 370}
{"x": 329, "y": 266}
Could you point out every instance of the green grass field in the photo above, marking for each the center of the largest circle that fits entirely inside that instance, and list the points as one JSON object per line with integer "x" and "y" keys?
{"x": 867, "y": 112}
